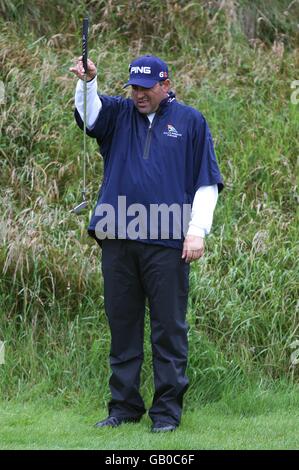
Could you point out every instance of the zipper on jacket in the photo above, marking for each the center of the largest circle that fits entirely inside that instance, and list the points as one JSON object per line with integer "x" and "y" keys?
{"x": 148, "y": 141}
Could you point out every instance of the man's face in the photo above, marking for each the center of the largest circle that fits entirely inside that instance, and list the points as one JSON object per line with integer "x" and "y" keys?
{"x": 147, "y": 100}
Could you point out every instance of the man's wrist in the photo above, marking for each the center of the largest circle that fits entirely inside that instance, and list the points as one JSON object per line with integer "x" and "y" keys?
{"x": 196, "y": 231}
{"x": 89, "y": 81}
{"x": 90, "y": 84}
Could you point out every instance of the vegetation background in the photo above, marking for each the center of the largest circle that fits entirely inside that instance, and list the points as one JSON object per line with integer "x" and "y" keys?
{"x": 233, "y": 60}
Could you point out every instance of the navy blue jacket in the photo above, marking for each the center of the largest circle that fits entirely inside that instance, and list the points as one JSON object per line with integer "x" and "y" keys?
{"x": 165, "y": 162}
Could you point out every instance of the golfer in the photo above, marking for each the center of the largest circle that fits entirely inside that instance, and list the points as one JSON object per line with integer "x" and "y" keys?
{"x": 159, "y": 161}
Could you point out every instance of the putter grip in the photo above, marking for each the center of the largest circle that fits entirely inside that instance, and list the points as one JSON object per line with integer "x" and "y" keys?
{"x": 84, "y": 43}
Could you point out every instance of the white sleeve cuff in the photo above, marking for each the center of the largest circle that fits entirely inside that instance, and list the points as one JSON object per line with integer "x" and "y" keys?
{"x": 93, "y": 102}
{"x": 203, "y": 206}
{"x": 197, "y": 231}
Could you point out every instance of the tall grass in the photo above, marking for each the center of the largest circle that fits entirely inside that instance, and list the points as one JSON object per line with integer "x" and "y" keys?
{"x": 243, "y": 307}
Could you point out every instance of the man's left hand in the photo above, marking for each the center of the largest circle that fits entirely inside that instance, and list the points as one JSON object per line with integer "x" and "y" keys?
{"x": 193, "y": 248}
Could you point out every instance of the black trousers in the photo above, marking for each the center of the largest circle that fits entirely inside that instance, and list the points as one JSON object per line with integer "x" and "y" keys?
{"x": 132, "y": 272}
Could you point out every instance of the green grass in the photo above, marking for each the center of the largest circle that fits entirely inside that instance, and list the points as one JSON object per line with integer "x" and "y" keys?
{"x": 254, "y": 420}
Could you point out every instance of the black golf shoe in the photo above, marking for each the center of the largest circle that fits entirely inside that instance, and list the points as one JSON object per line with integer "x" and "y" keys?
{"x": 163, "y": 427}
{"x": 114, "y": 421}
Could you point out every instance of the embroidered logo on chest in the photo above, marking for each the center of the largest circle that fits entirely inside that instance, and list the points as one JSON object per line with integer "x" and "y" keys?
{"x": 172, "y": 132}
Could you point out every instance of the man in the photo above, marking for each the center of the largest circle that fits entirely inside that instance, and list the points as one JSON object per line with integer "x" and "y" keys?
{"x": 158, "y": 159}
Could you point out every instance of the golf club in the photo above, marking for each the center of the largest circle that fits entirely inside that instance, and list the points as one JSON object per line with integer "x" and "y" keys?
{"x": 84, "y": 203}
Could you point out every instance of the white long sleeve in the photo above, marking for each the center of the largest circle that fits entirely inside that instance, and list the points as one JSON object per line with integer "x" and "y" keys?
{"x": 204, "y": 203}
{"x": 93, "y": 102}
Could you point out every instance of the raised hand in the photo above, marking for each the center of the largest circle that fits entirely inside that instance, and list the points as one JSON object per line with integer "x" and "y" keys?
{"x": 78, "y": 69}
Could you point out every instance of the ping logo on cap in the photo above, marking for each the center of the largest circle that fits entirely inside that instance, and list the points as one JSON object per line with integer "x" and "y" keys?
{"x": 141, "y": 70}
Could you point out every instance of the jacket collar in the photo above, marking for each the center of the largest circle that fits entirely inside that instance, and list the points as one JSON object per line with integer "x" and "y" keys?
{"x": 166, "y": 102}
{"x": 163, "y": 105}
